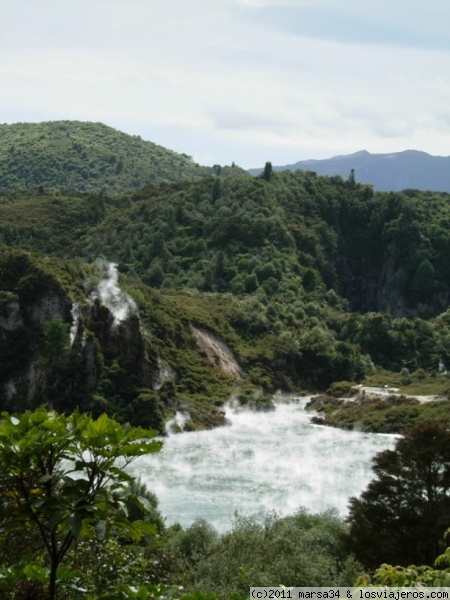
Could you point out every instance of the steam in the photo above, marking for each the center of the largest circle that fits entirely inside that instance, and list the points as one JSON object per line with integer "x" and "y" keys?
{"x": 75, "y": 313}
{"x": 260, "y": 462}
{"x": 108, "y": 291}
{"x": 10, "y": 390}
{"x": 165, "y": 373}
{"x": 177, "y": 423}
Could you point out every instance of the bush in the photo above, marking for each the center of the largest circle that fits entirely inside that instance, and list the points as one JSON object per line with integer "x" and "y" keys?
{"x": 299, "y": 550}
{"x": 404, "y": 512}
{"x": 340, "y": 388}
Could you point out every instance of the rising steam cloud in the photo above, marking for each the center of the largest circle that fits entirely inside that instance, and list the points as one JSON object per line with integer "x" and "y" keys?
{"x": 108, "y": 291}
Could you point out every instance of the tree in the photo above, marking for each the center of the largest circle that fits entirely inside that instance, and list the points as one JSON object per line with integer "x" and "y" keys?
{"x": 158, "y": 244}
{"x": 351, "y": 179}
{"x": 311, "y": 280}
{"x": 268, "y": 170}
{"x": 412, "y": 575}
{"x": 61, "y": 475}
{"x": 404, "y": 512}
{"x": 219, "y": 265}
{"x": 155, "y": 274}
{"x": 423, "y": 283}
{"x": 56, "y": 339}
{"x": 217, "y": 188}
{"x": 302, "y": 549}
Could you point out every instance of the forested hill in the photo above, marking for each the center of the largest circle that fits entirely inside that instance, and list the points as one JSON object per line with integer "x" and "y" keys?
{"x": 88, "y": 157}
{"x": 136, "y": 284}
{"x": 295, "y": 232}
{"x": 307, "y": 281}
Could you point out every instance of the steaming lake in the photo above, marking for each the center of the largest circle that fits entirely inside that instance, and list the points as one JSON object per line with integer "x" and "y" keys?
{"x": 262, "y": 461}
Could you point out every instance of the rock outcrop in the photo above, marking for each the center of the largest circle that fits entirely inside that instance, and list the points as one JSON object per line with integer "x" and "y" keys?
{"x": 217, "y": 352}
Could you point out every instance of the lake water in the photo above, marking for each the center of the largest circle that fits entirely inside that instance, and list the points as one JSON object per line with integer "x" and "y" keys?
{"x": 260, "y": 462}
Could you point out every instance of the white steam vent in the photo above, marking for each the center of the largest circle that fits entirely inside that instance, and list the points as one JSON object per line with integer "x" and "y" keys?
{"x": 119, "y": 303}
{"x": 75, "y": 313}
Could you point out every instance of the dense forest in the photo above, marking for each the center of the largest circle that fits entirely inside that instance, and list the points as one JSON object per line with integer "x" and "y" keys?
{"x": 308, "y": 281}
{"x": 135, "y": 284}
{"x": 88, "y": 157}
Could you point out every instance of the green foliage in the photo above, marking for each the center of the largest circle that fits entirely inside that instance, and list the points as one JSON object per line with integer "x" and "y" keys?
{"x": 340, "y": 388}
{"x": 404, "y": 512}
{"x": 412, "y": 575}
{"x": 423, "y": 282}
{"x": 397, "y": 343}
{"x": 283, "y": 259}
{"x": 142, "y": 504}
{"x": 301, "y": 549}
{"x": 272, "y": 266}
{"x": 56, "y": 338}
{"x": 107, "y": 368}
{"x": 88, "y": 157}
{"x": 104, "y": 564}
{"x": 386, "y": 404}
{"x": 267, "y": 173}
{"x": 147, "y": 411}
{"x": 61, "y": 475}
{"x": 405, "y": 376}
{"x": 390, "y": 414}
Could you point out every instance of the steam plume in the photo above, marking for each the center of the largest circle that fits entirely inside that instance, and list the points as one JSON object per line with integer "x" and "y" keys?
{"x": 119, "y": 303}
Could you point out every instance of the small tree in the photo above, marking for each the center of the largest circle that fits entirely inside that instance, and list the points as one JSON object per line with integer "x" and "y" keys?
{"x": 404, "y": 512}
{"x": 155, "y": 274}
{"x": 268, "y": 170}
{"x": 351, "y": 179}
{"x": 62, "y": 474}
{"x": 56, "y": 338}
{"x": 423, "y": 282}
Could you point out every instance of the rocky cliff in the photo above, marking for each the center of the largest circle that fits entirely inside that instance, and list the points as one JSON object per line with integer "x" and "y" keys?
{"x": 75, "y": 343}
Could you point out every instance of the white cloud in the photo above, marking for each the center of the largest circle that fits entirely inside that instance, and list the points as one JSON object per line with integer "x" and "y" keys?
{"x": 234, "y": 79}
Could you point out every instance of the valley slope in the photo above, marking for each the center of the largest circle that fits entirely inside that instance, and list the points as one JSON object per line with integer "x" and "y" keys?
{"x": 88, "y": 157}
{"x": 306, "y": 281}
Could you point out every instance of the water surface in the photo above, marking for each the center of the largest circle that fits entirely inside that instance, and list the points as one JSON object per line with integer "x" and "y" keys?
{"x": 262, "y": 461}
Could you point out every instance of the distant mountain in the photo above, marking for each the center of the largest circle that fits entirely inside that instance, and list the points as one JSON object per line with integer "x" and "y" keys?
{"x": 410, "y": 169}
{"x": 89, "y": 157}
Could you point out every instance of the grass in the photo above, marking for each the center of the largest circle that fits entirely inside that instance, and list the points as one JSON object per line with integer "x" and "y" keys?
{"x": 392, "y": 413}
{"x": 419, "y": 382}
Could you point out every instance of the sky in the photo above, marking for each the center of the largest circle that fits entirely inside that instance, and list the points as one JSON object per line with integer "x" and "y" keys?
{"x": 243, "y": 81}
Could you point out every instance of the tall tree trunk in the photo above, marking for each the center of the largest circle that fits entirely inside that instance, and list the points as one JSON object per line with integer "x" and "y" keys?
{"x": 52, "y": 581}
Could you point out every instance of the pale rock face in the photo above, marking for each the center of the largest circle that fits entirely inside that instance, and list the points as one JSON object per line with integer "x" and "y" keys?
{"x": 35, "y": 379}
{"x": 12, "y": 318}
{"x": 9, "y": 390}
{"x": 164, "y": 373}
{"x": 217, "y": 352}
{"x": 379, "y": 288}
{"x": 32, "y": 382}
{"x": 50, "y": 306}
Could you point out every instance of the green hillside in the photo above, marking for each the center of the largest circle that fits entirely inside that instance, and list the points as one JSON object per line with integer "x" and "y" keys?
{"x": 136, "y": 284}
{"x": 87, "y": 157}
{"x": 297, "y": 233}
{"x": 61, "y": 344}
{"x": 307, "y": 280}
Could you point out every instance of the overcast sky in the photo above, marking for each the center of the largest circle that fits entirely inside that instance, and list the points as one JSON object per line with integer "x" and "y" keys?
{"x": 235, "y": 80}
